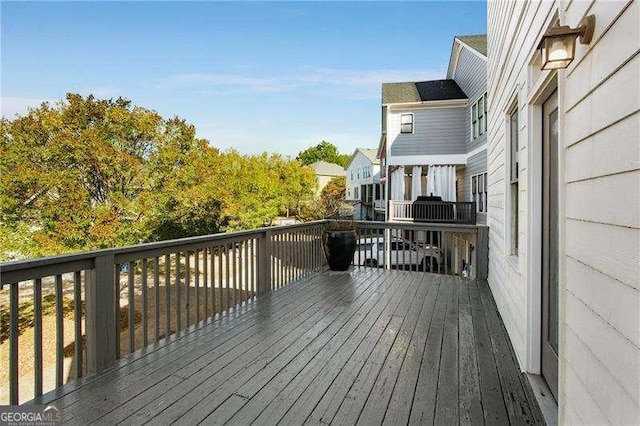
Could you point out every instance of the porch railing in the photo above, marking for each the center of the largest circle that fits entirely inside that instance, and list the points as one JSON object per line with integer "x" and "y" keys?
{"x": 103, "y": 305}
{"x": 74, "y": 316}
{"x": 463, "y": 212}
{"x": 436, "y": 248}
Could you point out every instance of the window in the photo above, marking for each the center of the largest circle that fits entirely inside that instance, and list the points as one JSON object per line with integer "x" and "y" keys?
{"x": 486, "y": 112}
{"x": 479, "y": 192}
{"x": 479, "y": 117}
{"x": 513, "y": 172}
{"x": 356, "y": 193}
{"x": 366, "y": 172}
{"x": 358, "y": 172}
{"x": 406, "y": 123}
{"x": 351, "y": 174}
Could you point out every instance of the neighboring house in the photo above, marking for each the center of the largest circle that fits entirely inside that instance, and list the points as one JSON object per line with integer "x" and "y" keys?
{"x": 434, "y": 134}
{"x": 363, "y": 184}
{"x": 325, "y": 172}
{"x": 564, "y": 204}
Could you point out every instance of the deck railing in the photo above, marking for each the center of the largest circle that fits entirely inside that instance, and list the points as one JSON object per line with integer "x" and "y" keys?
{"x": 73, "y": 316}
{"x": 462, "y": 212}
{"x": 103, "y": 305}
{"x": 436, "y": 248}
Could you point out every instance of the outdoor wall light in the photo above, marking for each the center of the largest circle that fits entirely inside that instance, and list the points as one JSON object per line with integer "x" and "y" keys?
{"x": 559, "y": 43}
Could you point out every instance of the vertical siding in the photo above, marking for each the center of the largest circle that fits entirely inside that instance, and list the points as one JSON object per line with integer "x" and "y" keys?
{"x": 599, "y": 106}
{"x": 471, "y": 76}
{"x": 436, "y": 131}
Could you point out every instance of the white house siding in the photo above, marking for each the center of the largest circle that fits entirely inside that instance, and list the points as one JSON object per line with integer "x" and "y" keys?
{"x": 436, "y": 131}
{"x": 360, "y": 161}
{"x": 599, "y": 104}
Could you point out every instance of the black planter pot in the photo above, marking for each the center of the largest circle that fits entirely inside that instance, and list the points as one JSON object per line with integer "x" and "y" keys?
{"x": 339, "y": 247}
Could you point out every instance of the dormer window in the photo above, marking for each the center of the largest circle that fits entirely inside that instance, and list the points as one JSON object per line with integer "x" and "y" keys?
{"x": 406, "y": 123}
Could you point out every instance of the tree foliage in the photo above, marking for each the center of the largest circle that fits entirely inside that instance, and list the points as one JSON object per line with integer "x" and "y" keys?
{"x": 88, "y": 173}
{"x": 330, "y": 202}
{"x": 324, "y": 151}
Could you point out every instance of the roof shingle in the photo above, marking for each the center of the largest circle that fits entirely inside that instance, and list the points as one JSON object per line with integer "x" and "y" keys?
{"x": 421, "y": 91}
{"x": 476, "y": 42}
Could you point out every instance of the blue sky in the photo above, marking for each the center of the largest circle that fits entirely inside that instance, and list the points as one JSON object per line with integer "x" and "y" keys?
{"x": 255, "y": 76}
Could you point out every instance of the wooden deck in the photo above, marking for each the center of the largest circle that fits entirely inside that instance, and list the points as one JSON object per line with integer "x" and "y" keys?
{"x": 369, "y": 346}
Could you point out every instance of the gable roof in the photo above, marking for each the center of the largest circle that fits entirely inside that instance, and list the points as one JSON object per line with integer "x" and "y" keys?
{"x": 476, "y": 42}
{"x": 371, "y": 154}
{"x": 421, "y": 91}
{"x": 327, "y": 169}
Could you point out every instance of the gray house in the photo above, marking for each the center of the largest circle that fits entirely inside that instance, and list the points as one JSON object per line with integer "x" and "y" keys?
{"x": 434, "y": 137}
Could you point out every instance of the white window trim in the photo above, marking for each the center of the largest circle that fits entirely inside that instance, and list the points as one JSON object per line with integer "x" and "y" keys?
{"x": 413, "y": 124}
{"x": 484, "y": 194}
{"x": 509, "y": 234}
{"x": 482, "y": 130}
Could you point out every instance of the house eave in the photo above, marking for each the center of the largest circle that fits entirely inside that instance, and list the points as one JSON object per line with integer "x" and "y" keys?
{"x": 446, "y": 103}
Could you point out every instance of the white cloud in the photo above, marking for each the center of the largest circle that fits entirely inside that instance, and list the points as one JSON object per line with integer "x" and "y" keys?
{"x": 349, "y": 83}
{"x": 12, "y": 105}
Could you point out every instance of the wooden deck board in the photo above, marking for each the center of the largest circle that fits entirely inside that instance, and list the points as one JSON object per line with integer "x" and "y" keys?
{"x": 368, "y": 346}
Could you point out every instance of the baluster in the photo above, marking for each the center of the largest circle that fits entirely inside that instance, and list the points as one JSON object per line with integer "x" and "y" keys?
{"x": 196, "y": 260}
{"x": 178, "y": 301}
{"x": 59, "y": 333}
{"x": 205, "y": 282}
{"x": 167, "y": 295}
{"x": 37, "y": 337}
{"x": 145, "y": 310}
{"x": 156, "y": 299}
{"x": 13, "y": 344}
{"x": 132, "y": 324}
{"x": 77, "y": 316}
{"x": 213, "y": 283}
{"x": 187, "y": 284}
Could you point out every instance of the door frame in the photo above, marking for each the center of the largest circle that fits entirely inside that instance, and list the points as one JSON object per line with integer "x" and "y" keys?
{"x": 545, "y": 85}
{"x": 546, "y": 243}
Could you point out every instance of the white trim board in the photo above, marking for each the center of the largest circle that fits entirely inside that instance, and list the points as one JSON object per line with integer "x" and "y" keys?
{"x": 417, "y": 160}
{"x": 447, "y": 103}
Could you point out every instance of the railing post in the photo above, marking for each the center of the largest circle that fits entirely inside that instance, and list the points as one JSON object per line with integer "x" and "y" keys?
{"x": 100, "y": 299}
{"x": 387, "y": 248}
{"x": 482, "y": 252}
{"x": 474, "y": 218}
{"x": 264, "y": 262}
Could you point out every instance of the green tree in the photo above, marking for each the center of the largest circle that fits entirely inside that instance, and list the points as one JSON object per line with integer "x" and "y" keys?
{"x": 88, "y": 173}
{"x": 329, "y": 203}
{"x": 74, "y": 172}
{"x": 324, "y": 151}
